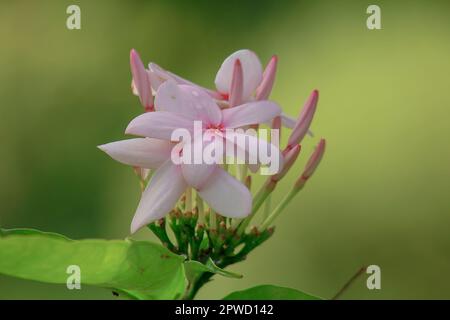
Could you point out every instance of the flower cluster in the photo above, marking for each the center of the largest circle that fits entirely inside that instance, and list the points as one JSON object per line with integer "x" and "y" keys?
{"x": 210, "y": 205}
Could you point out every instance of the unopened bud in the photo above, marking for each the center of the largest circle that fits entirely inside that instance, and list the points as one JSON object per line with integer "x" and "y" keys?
{"x": 312, "y": 164}
{"x": 304, "y": 120}
{"x": 265, "y": 88}
{"x": 141, "y": 81}
{"x": 237, "y": 85}
{"x": 290, "y": 157}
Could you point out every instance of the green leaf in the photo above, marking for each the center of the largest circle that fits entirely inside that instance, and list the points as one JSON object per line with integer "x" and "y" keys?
{"x": 195, "y": 269}
{"x": 142, "y": 269}
{"x": 24, "y": 231}
{"x": 270, "y": 292}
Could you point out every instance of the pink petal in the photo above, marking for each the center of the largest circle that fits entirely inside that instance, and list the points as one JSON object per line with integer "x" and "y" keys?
{"x": 162, "y": 192}
{"x": 197, "y": 174}
{"x": 249, "y": 147}
{"x": 171, "y": 98}
{"x": 226, "y": 195}
{"x": 140, "y": 152}
{"x": 203, "y": 106}
{"x": 305, "y": 118}
{"x": 158, "y": 76}
{"x": 250, "y": 113}
{"x": 141, "y": 80}
{"x": 159, "y": 125}
{"x": 237, "y": 85}
{"x": 238, "y": 145}
{"x": 188, "y": 101}
{"x": 251, "y": 68}
{"x": 196, "y": 171}
{"x": 265, "y": 88}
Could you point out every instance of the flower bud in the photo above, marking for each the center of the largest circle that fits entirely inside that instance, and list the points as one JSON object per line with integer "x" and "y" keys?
{"x": 289, "y": 159}
{"x": 265, "y": 88}
{"x": 276, "y": 125}
{"x": 312, "y": 164}
{"x": 237, "y": 85}
{"x": 141, "y": 81}
{"x": 304, "y": 120}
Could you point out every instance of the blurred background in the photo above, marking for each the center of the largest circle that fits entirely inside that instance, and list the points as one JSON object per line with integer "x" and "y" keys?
{"x": 380, "y": 196}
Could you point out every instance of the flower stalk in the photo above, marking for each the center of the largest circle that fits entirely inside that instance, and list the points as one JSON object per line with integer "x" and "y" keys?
{"x": 279, "y": 208}
{"x": 188, "y": 200}
{"x": 310, "y": 167}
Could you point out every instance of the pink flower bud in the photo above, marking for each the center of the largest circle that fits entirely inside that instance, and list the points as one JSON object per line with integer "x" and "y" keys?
{"x": 265, "y": 88}
{"x": 276, "y": 125}
{"x": 141, "y": 80}
{"x": 304, "y": 120}
{"x": 237, "y": 85}
{"x": 312, "y": 164}
{"x": 289, "y": 159}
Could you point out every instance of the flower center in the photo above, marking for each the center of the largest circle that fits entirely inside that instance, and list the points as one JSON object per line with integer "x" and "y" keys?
{"x": 218, "y": 127}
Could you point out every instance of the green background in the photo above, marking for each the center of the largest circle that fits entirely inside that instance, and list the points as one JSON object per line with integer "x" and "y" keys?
{"x": 380, "y": 196}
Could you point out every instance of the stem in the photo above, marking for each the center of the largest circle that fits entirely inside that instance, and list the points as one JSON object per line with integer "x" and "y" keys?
{"x": 241, "y": 173}
{"x": 238, "y": 172}
{"x": 188, "y": 200}
{"x": 349, "y": 283}
{"x": 248, "y": 182}
{"x": 201, "y": 209}
{"x": 258, "y": 200}
{"x": 212, "y": 219}
{"x": 279, "y": 208}
{"x": 235, "y": 223}
{"x": 252, "y": 242}
{"x": 196, "y": 285}
{"x": 267, "y": 206}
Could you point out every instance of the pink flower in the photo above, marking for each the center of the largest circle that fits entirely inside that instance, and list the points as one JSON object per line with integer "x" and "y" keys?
{"x": 256, "y": 84}
{"x": 178, "y": 106}
{"x": 219, "y": 189}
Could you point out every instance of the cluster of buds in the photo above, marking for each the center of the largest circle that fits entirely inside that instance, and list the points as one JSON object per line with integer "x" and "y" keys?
{"x": 204, "y": 211}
